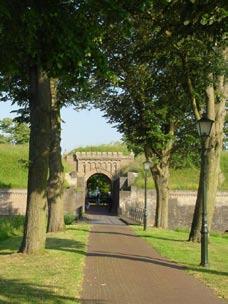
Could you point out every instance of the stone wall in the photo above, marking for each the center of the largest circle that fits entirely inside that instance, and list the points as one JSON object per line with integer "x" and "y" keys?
{"x": 14, "y": 201}
{"x": 181, "y": 207}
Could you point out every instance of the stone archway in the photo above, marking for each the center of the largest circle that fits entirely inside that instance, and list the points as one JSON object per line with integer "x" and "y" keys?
{"x": 106, "y": 163}
{"x": 97, "y": 171}
{"x": 99, "y": 190}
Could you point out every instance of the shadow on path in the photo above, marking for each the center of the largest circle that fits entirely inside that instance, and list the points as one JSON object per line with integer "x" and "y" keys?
{"x": 110, "y": 233}
{"x": 156, "y": 261}
{"x": 136, "y": 258}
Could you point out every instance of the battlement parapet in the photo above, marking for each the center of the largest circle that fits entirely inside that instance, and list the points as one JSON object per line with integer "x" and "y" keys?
{"x": 101, "y": 155}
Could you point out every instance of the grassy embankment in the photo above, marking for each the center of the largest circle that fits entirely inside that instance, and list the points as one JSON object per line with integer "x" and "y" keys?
{"x": 112, "y": 147}
{"x": 54, "y": 276}
{"x": 180, "y": 179}
{"x": 13, "y": 168}
{"x": 173, "y": 245}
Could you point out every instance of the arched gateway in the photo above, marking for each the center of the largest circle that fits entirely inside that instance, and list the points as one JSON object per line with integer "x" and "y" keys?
{"x": 106, "y": 163}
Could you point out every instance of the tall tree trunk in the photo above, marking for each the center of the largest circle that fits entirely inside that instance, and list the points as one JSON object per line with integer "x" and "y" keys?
{"x": 194, "y": 234}
{"x": 36, "y": 212}
{"x": 215, "y": 111}
{"x": 56, "y": 175}
{"x": 158, "y": 199}
{"x": 213, "y": 173}
{"x": 160, "y": 175}
{"x": 212, "y": 179}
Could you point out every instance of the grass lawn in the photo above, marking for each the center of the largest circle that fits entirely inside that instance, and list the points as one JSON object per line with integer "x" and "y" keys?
{"x": 52, "y": 277}
{"x": 173, "y": 245}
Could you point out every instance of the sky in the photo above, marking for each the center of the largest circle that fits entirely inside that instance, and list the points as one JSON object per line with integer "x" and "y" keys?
{"x": 79, "y": 128}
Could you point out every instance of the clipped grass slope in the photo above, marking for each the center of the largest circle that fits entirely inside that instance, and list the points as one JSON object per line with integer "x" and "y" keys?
{"x": 112, "y": 147}
{"x": 180, "y": 179}
{"x": 13, "y": 167}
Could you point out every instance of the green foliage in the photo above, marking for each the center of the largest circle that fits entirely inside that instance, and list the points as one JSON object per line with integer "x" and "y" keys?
{"x": 51, "y": 277}
{"x": 151, "y": 109}
{"x": 3, "y": 139}
{"x": 68, "y": 167}
{"x": 11, "y": 226}
{"x": 173, "y": 245}
{"x": 69, "y": 218}
{"x": 14, "y": 132}
{"x": 99, "y": 181}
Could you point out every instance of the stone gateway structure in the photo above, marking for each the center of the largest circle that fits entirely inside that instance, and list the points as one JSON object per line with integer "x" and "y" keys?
{"x": 109, "y": 164}
{"x": 106, "y": 163}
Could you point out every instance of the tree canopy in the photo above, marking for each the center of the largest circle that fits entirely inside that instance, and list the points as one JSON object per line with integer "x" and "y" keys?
{"x": 14, "y": 132}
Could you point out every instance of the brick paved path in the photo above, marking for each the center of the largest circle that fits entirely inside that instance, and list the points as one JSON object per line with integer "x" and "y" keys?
{"x": 121, "y": 268}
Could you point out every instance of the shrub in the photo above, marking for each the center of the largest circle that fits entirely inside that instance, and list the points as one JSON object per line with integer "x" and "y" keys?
{"x": 69, "y": 218}
{"x": 11, "y": 225}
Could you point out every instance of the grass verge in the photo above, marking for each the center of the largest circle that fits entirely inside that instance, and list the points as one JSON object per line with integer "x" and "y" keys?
{"x": 52, "y": 277}
{"x": 173, "y": 245}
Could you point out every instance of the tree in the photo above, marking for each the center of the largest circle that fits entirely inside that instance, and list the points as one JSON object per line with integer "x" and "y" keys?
{"x": 56, "y": 174}
{"x": 14, "y": 132}
{"x": 206, "y": 87}
{"x": 68, "y": 89}
{"x": 150, "y": 124}
{"x": 99, "y": 181}
{"x": 215, "y": 92}
{"x": 45, "y": 54}
{"x": 194, "y": 31}
{"x": 60, "y": 38}
{"x": 149, "y": 105}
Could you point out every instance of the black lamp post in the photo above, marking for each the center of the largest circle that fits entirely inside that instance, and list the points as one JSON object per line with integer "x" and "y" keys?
{"x": 204, "y": 126}
{"x": 147, "y": 166}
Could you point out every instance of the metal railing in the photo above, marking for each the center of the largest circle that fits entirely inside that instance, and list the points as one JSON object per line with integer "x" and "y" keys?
{"x": 135, "y": 214}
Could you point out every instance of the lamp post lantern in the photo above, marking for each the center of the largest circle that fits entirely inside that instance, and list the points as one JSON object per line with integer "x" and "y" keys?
{"x": 147, "y": 166}
{"x": 204, "y": 126}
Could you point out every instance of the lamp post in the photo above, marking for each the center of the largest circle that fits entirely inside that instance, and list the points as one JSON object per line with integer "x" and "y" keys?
{"x": 204, "y": 126}
{"x": 147, "y": 166}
